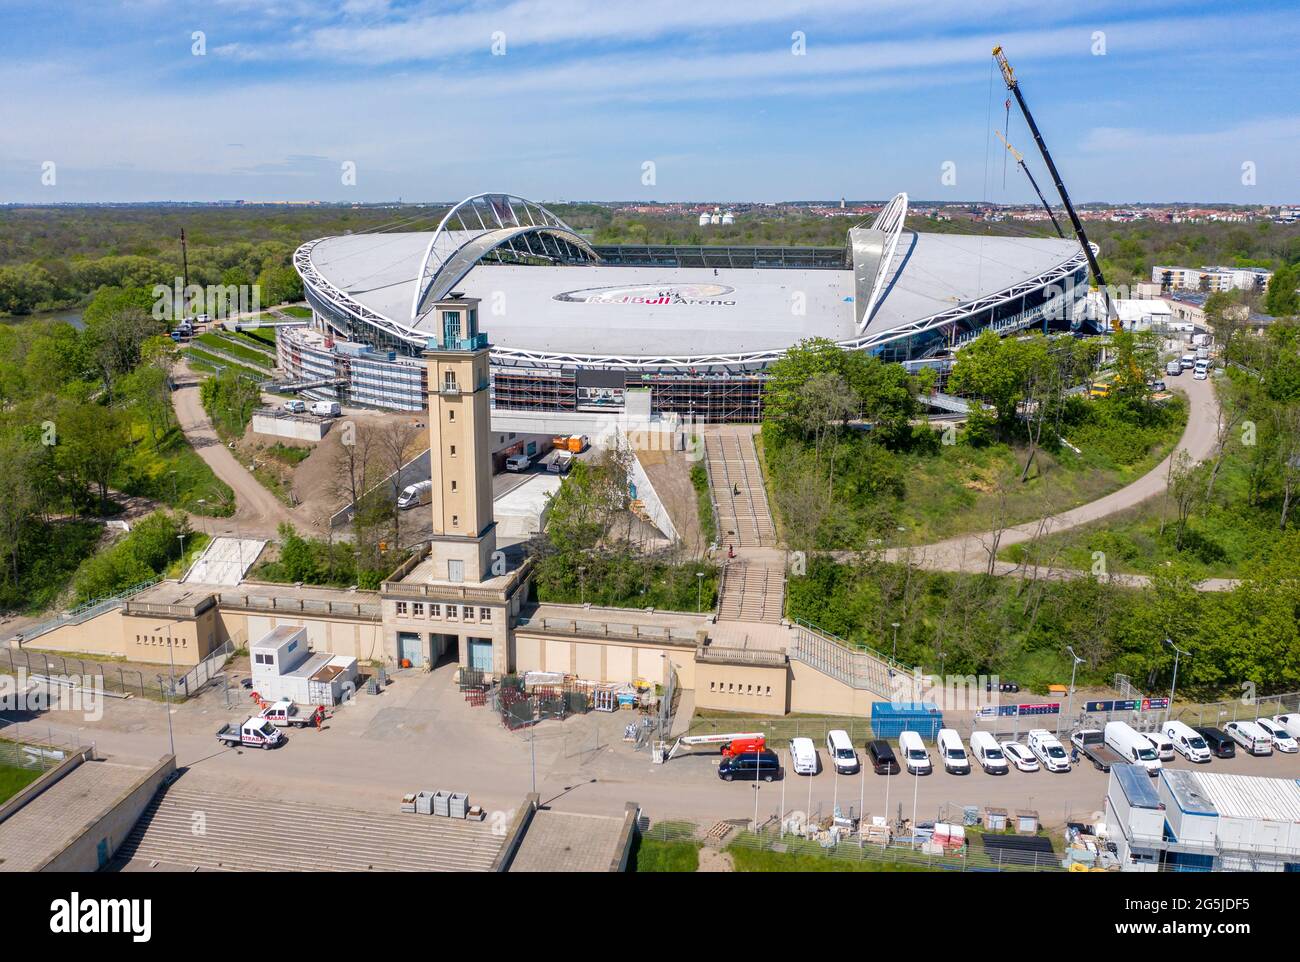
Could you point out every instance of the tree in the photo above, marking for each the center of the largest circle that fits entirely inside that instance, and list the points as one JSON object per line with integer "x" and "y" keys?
{"x": 92, "y": 443}
{"x": 1281, "y": 299}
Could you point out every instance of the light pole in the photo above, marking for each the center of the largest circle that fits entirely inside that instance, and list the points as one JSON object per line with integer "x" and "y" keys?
{"x": 699, "y": 592}
{"x": 1069, "y": 709}
{"x": 1169, "y": 712}
{"x": 181, "y": 538}
{"x": 756, "y": 808}
{"x": 895, "y": 626}
{"x": 582, "y": 585}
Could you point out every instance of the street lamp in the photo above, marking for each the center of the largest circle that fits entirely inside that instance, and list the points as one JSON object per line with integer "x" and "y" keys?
{"x": 699, "y": 592}
{"x": 895, "y": 626}
{"x": 1169, "y": 712}
{"x": 582, "y": 585}
{"x": 1069, "y": 709}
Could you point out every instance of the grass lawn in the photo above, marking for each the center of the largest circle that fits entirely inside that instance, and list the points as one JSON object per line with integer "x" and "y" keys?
{"x": 957, "y": 491}
{"x": 13, "y": 780}
{"x": 229, "y": 345}
{"x": 172, "y": 473}
{"x": 202, "y": 360}
{"x": 303, "y": 313}
{"x": 1224, "y": 537}
{"x": 748, "y": 859}
{"x": 652, "y": 855}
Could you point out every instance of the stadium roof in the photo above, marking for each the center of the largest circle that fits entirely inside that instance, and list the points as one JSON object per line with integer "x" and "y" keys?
{"x": 554, "y": 300}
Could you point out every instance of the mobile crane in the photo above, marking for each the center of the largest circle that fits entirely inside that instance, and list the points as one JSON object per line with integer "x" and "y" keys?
{"x": 1009, "y": 77}
{"x": 1020, "y": 159}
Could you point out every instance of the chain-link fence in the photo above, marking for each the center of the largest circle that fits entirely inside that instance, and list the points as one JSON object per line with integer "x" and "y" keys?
{"x": 1220, "y": 713}
{"x": 789, "y": 844}
{"x": 34, "y": 753}
{"x": 780, "y": 730}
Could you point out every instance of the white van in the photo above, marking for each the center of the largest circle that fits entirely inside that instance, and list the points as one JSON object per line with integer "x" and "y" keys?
{"x": 841, "y": 751}
{"x": 1163, "y": 745}
{"x": 987, "y": 752}
{"x": 326, "y": 409}
{"x": 952, "y": 752}
{"x": 295, "y": 406}
{"x": 1047, "y": 748}
{"x": 803, "y": 756}
{"x": 415, "y": 494}
{"x": 1186, "y": 742}
{"x": 915, "y": 757}
{"x": 1290, "y": 722}
{"x": 518, "y": 462}
{"x": 1282, "y": 739}
{"x": 1134, "y": 746}
{"x": 1250, "y": 736}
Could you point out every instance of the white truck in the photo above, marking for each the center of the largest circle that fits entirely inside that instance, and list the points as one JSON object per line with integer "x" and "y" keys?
{"x": 1135, "y": 747}
{"x": 254, "y": 732}
{"x": 1047, "y": 748}
{"x": 287, "y": 714}
{"x": 414, "y": 495}
{"x": 561, "y": 463}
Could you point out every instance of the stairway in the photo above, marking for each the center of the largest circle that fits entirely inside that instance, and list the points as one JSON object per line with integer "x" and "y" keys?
{"x": 752, "y": 591}
{"x": 744, "y": 518}
{"x": 250, "y": 835}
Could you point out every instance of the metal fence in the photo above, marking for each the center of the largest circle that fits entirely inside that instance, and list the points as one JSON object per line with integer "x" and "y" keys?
{"x": 84, "y": 612}
{"x": 779, "y": 730}
{"x": 33, "y": 752}
{"x": 114, "y": 678}
{"x": 198, "y": 676}
{"x": 737, "y": 837}
{"x": 1219, "y": 713}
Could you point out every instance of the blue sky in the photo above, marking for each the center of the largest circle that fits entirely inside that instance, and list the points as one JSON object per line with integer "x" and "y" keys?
{"x": 1140, "y": 100}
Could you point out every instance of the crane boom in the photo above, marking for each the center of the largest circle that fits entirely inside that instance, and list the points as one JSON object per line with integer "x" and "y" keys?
{"x": 1020, "y": 159}
{"x": 1009, "y": 77}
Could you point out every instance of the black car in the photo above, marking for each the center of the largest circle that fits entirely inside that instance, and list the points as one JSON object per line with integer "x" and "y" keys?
{"x": 882, "y": 758}
{"x": 750, "y": 766}
{"x": 1219, "y": 744}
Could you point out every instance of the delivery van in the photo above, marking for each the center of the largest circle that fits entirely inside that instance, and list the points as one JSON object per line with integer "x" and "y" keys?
{"x": 414, "y": 495}
{"x": 915, "y": 757}
{"x": 1133, "y": 745}
{"x": 1187, "y": 742}
{"x": 840, "y": 749}
{"x": 803, "y": 756}
{"x": 326, "y": 409}
{"x": 988, "y": 753}
{"x": 952, "y": 752}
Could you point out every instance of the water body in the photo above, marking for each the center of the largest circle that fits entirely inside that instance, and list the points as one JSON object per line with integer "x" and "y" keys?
{"x": 71, "y": 316}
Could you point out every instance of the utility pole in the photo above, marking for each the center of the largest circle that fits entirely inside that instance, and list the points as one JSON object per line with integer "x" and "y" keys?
{"x": 185, "y": 274}
{"x": 1178, "y": 652}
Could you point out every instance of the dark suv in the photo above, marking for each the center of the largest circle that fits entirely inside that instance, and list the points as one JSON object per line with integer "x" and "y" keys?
{"x": 882, "y": 758}
{"x": 1219, "y": 744}
{"x": 750, "y": 766}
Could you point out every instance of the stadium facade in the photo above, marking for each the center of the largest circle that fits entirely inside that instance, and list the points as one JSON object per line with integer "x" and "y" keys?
{"x": 575, "y": 326}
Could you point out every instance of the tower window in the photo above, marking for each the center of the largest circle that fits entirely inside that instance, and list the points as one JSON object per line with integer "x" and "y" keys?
{"x": 453, "y": 450}
{"x": 453, "y": 486}
{"x": 455, "y": 521}
{"x": 451, "y": 415}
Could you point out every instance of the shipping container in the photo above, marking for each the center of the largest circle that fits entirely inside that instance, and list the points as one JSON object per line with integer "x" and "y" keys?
{"x": 889, "y": 720}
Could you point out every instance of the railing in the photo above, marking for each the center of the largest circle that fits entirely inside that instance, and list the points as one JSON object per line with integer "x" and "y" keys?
{"x": 740, "y": 656}
{"x": 83, "y": 612}
{"x": 604, "y": 629}
{"x": 300, "y": 606}
{"x": 856, "y": 666}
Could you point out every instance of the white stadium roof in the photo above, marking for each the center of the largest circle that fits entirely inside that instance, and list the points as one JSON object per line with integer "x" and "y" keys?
{"x": 597, "y": 313}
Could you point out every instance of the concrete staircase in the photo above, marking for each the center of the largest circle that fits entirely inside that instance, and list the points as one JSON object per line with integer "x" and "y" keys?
{"x": 744, "y": 518}
{"x": 752, "y": 591}
{"x": 251, "y": 835}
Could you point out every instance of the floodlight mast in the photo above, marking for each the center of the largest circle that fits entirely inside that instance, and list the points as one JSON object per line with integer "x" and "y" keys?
{"x": 1009, "y": 77}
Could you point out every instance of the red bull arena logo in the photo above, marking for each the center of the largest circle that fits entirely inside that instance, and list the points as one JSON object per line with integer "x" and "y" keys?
{"x": 654, "y": 295}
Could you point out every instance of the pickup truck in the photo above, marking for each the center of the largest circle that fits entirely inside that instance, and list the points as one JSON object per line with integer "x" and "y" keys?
{"x": 285, "y": 714}
{"x": 1091, "y": 743}
{"x": 254, "y": 732}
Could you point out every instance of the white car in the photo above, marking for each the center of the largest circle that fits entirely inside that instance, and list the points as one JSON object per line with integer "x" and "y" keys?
{"x": 1283, "y": 740}
{"x": 1290, "y": 722}
{"x": 295, "y": 406}
{"x": 1018, "y": 755}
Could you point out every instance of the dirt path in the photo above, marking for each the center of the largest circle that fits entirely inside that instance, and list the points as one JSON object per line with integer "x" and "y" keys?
{"x": 971, "y": 552}
{"x": 257, "y": 511}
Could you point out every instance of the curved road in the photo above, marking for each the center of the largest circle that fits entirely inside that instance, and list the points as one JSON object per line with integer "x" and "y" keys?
{"x": 971, "y": 552}
{"x": 257, "y": 511}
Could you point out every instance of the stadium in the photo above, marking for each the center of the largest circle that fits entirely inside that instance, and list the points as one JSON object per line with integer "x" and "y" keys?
{"x": 575, "y": 326}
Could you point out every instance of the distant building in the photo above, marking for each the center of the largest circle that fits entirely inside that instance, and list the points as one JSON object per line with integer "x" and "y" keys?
{"x": 1201, "y": 821}
{"x": 1210, "y": 279}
